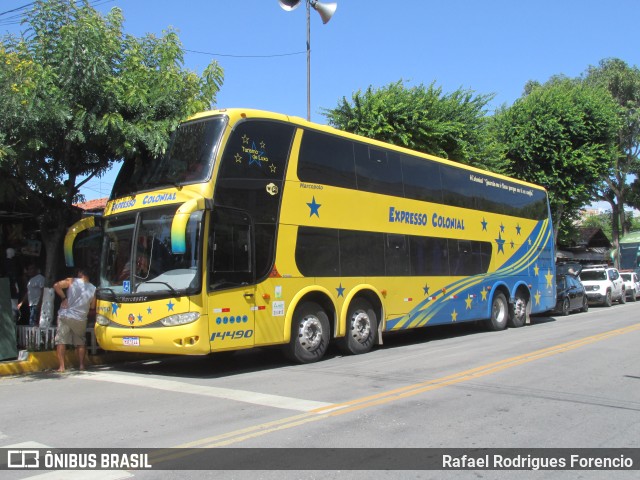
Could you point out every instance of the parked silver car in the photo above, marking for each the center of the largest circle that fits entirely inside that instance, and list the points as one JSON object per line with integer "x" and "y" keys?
{"x": 631, "y": 284}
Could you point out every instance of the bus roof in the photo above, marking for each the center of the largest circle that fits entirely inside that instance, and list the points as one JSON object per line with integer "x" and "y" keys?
{"x": 235, "y": 114}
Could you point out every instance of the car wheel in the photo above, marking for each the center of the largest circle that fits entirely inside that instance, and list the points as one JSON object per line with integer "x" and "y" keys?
{"x": 634, "y": 294}
{"x": 585, "y": 305}
{"x": 623, "y": 298}
{"x": 565, "y": 307}
{"x": 607, "y": 299}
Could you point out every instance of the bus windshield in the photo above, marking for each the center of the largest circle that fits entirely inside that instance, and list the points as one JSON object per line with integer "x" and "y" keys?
{"x": 137, "y": 257}
{"x": 189, "y": 159}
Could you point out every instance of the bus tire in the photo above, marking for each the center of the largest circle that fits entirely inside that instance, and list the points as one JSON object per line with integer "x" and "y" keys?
{"x": 519, "y": 311}
{"x": 309, "y": 334}
{"x": 499, "y": 313}
{"x": 362, "y": 326}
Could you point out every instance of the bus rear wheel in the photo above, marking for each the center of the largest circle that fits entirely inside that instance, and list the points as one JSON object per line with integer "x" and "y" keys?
{"x": 309, "y": 334}
{"x": 362, "y": 325}
{"x": 519, "y": 312}
{"x": 499, "y": 313}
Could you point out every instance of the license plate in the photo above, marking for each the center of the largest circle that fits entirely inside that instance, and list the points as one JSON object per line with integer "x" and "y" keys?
{"x": 131, "y": 341}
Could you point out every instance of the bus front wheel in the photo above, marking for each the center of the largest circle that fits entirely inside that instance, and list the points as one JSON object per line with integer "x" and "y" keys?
{"x": 362, "y": 326}
{"x": 499, "y": 312}
{"x": 309, "y": 334}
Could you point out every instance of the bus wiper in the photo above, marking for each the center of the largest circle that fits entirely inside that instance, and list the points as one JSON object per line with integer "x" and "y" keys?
{"x": 173, "y": 290}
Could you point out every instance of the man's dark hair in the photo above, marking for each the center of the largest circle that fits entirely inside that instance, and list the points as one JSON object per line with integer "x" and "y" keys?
{"x": 83, "y": 272}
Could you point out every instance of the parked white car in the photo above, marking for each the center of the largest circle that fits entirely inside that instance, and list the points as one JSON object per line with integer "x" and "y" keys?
{"x": 603, "y": 284}
{"x": 631, "y": 285}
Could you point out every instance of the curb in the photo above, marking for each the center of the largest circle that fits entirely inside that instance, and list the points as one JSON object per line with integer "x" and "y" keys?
{"x": 40, "y": 361}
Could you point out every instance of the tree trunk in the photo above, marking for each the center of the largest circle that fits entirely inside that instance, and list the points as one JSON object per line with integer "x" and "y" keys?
{"x": 615, "y": 232}
{"x": 53, "y": 233}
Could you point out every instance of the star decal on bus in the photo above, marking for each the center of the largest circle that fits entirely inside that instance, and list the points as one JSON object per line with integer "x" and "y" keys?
{"x": 483, "y": 294}
{"x": 518, "y": 228}
{"x": 468, "y": 301}
{"x": 340, "y": 290}
{"x": 253, "y": 157}
{"x": 426, "y": 289}
{"x": 114, "y": 308}
{"x": 537, "y": 297}
{"x": 484, "y": 224}
{"x": 245, "y": 139}
{"x": 139, "y": 318}
{"x": 536, "y": 270}
{"x": 170, "y": 306}
{"x": 549, "y": 277}
{"x": 272, "y": 167}
{"x": 238, "y": 158}
{"x": 502, "y": 228}
{"x": 454, "y": 315}
{"x": 149, "y": 310}
{"x": 314, "y": 207}
{"x": 500, "y": 243}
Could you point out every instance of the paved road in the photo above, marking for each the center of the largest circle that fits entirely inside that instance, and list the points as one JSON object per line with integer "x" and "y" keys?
{"x": 560, "y": 382}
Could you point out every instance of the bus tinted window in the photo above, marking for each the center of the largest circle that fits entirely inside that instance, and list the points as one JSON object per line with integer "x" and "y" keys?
{"x": 361, "y": 253}
{"x": 251, "y": 179}
{"x": 189, "y": 159}
{"x": 326, "y": 159}
{"x": 325, "y": 252}
{"x": 396, "y": 255}
{"x": 257, "y": 149}
{"x": 377, "y": 170}
{"x": 421, "y": 179}
{"x": 429, "y": 256}
{"x": 318, "y": 252}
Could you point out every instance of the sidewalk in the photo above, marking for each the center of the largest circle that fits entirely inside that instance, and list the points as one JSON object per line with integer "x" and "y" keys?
{"x": 41, "y": 361}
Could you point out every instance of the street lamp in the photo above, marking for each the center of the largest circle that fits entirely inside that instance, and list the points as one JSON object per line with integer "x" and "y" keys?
{"x": 326, "y": 11}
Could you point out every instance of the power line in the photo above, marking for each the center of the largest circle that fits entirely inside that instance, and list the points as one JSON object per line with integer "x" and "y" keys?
{"x": 17, "y": 19}
{"x": 245, "y": 56}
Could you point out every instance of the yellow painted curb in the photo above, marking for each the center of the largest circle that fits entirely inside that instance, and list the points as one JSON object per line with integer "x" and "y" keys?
{"x": 40, "y": 361}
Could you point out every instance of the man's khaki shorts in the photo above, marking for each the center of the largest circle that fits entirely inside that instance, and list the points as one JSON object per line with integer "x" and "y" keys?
{"x": 71, "y": 332}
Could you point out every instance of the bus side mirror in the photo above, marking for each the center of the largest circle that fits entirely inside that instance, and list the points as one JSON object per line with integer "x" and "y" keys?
{"x": 179, "y": 224}
{"x": 72, "y": 233}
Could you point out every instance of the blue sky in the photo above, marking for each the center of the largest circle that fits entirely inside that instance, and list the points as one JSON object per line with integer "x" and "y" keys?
{"x": 494, "y": 46}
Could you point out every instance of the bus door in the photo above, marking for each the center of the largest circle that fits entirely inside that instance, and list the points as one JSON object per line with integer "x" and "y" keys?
{"x": 231, "y": 280}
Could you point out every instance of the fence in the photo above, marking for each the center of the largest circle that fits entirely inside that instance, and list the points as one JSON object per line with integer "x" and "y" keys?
{"x": 38, "y": 339}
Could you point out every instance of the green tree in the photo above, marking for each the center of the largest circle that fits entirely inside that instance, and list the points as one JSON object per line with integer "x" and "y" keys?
{"x": 78, "y": 95}
{"x": 561, "y": 135}
{"x": 623, "y": 82}
{"x": 420, "y": 118}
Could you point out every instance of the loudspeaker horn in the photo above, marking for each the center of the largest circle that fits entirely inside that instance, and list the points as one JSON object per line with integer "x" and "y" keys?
{"x": 326, "y": 10}
{"x": 289, "y": 5}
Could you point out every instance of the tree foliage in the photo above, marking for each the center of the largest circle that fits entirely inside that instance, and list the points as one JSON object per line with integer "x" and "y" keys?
{"x": 623, "y": 82}
{"x": 78, "y": 95}
{"x": 420, "y": 118}
{"x": 561, "y": 135}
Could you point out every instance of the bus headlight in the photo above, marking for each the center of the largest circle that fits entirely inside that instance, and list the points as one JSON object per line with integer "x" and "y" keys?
{"x": 102, "y": 320}
{"x": 180, "y": 319}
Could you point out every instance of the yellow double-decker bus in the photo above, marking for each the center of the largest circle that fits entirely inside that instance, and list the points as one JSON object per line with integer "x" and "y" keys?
{"x": 261, "y": 229}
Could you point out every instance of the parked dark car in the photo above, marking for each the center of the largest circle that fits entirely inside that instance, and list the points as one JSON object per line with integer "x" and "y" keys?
{"x": 571, "y": 295}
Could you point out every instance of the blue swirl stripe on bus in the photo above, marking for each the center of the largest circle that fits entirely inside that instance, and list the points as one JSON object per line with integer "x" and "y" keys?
{"x": 522, "y": 260}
